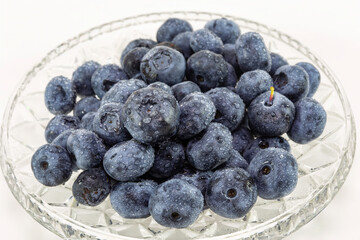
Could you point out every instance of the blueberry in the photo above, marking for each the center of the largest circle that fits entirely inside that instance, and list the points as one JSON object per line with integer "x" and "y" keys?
{"x": 131, "y": 199}
{"x": 309, "y": 122}
{"x": 203, "y": 39}
{"x": 182, "y": 41}
{"x": 224, "y": 28}
{"x": 314, "y": 77}
{"x": 169, "y": 159}
{"x": 61, "y": 140}
{"x": 206, "y": 69}
{"x": 60, "y": 95}
{"x": 91, "y": 187}
{"x": 87, "y": 121}
{"x": 176, "y": 203}
{"x": 262, "y": 143}
{"x": 85, "y": 105}
{"x": 132, "y": 60}
{"x": 276, "y": 62}
{"x": 59, "y": 124}
{"x": 275, "y": 172}
{"x": 235, "y": 161}
{"x": 229, "y": 55}
{"x": 81, "y": 78}
{"x": 198, "y": 179}
{"x": 162, "y": 86}
{"x": 182, "y": 89}
{"x": 121, "y": 91}
{"x": 105, "y": 77}
{"x": 128, "y": 160}
{"x": 107, "y": 124}
{"x": 171, "y": 28}
{"x": 151, "y": 115}
{"x": 231, "y": 79}
{"x": 252, "y": 53}
{"x": 252, "y": 84}
{"x": 211, "y": 148}
{"x": 242, "y": 136}
{"x": 271, "y": 118}
{"x": 163, "y": 64}
{"x": 51, "y": 165}
{"x": 147, "y": 43}
{"x": 197, "y": 111}
{"x": 292, "y": 82}
{"x": 86, "y": 149}
{"x": 230, "y": 108}
{"x": 231, "y": 193}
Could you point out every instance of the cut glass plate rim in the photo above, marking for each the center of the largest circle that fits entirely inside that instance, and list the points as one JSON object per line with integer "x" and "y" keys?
{"x": 347, "y": 154}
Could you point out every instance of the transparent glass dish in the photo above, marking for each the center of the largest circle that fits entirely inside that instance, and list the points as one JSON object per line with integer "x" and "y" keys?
{"x": 323, "y": 164}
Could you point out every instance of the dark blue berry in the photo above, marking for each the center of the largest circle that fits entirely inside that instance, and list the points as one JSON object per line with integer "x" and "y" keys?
{"x": 51, "y": 165}
{"x": 242, "y": 136}
{"x": 262, "y": 143}
{"x": 60, "y": 95}
{"x": 276, "y": 62}
{"x": 224, "y": 28}
{"x": 61, "y": 140}
{"x": 309, "y": 122}
{"x": 229, "y": 55}
{"x": 81, "y": 78}
{"x": 235, "y": 161}
{"x": 91, "y": 187}
{"x": 107, "y": 124}
{"x": 128, "y": 160}
{"x": 206, "y": 69}
{"x": 271, "y": 118}
{"x": 211, "y": 148}
{"x": 131, "y": 199}
{"x": 105, "y": 77}
{"x": 231, "y": 193}
{"x": 314, "y": 77}
{"x": 162, "y": 86}
{"x": 132, "y": 61}
{"x": 230, "y": 108}
{"x": 86, "y": 149}
{"x": 121, "y": 91}
{"x": 85, "y": 105}
{"x": 275, "y": 172}
{"x": 182, "y": 89}
{"x": 252, "y": 84}
{"x": 151, "y": 115}
{"x": 169, "y": 159}
{"x": 163, "y": 64}
{"x": 147, "y": 43}
{"x": 231, "y": 79}
{"x": 292, "y": 82}
{"x": 87, "y": 121}
{"x": 171, "y": 28}
{"x": 252, "y": 53}
{"x": 203, "y": 39}
{"x": 182, "y": 41}
{"x": 197, "y": 111}
{"x": 59, "y": 124}
{"x": 176, "y": 203}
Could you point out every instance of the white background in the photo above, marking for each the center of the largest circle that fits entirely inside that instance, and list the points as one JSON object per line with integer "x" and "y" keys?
{"x": 30, "y": 29}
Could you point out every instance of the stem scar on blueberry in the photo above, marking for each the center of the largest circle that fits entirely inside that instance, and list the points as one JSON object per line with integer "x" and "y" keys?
{"x": 265, "y": 170}
{"x": 231, "y": 193}
{"x": 175, "y": 216}
{"x": 270, "y": 102}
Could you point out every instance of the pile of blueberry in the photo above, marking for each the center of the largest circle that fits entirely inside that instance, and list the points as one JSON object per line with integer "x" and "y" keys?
{"x": 191, "y": 121}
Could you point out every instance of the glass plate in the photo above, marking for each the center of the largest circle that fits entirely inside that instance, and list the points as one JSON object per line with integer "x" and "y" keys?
{"x": 323, "y": 164}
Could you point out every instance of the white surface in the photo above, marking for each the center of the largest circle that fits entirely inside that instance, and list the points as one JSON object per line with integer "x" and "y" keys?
{"x": 29, "y": 29}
